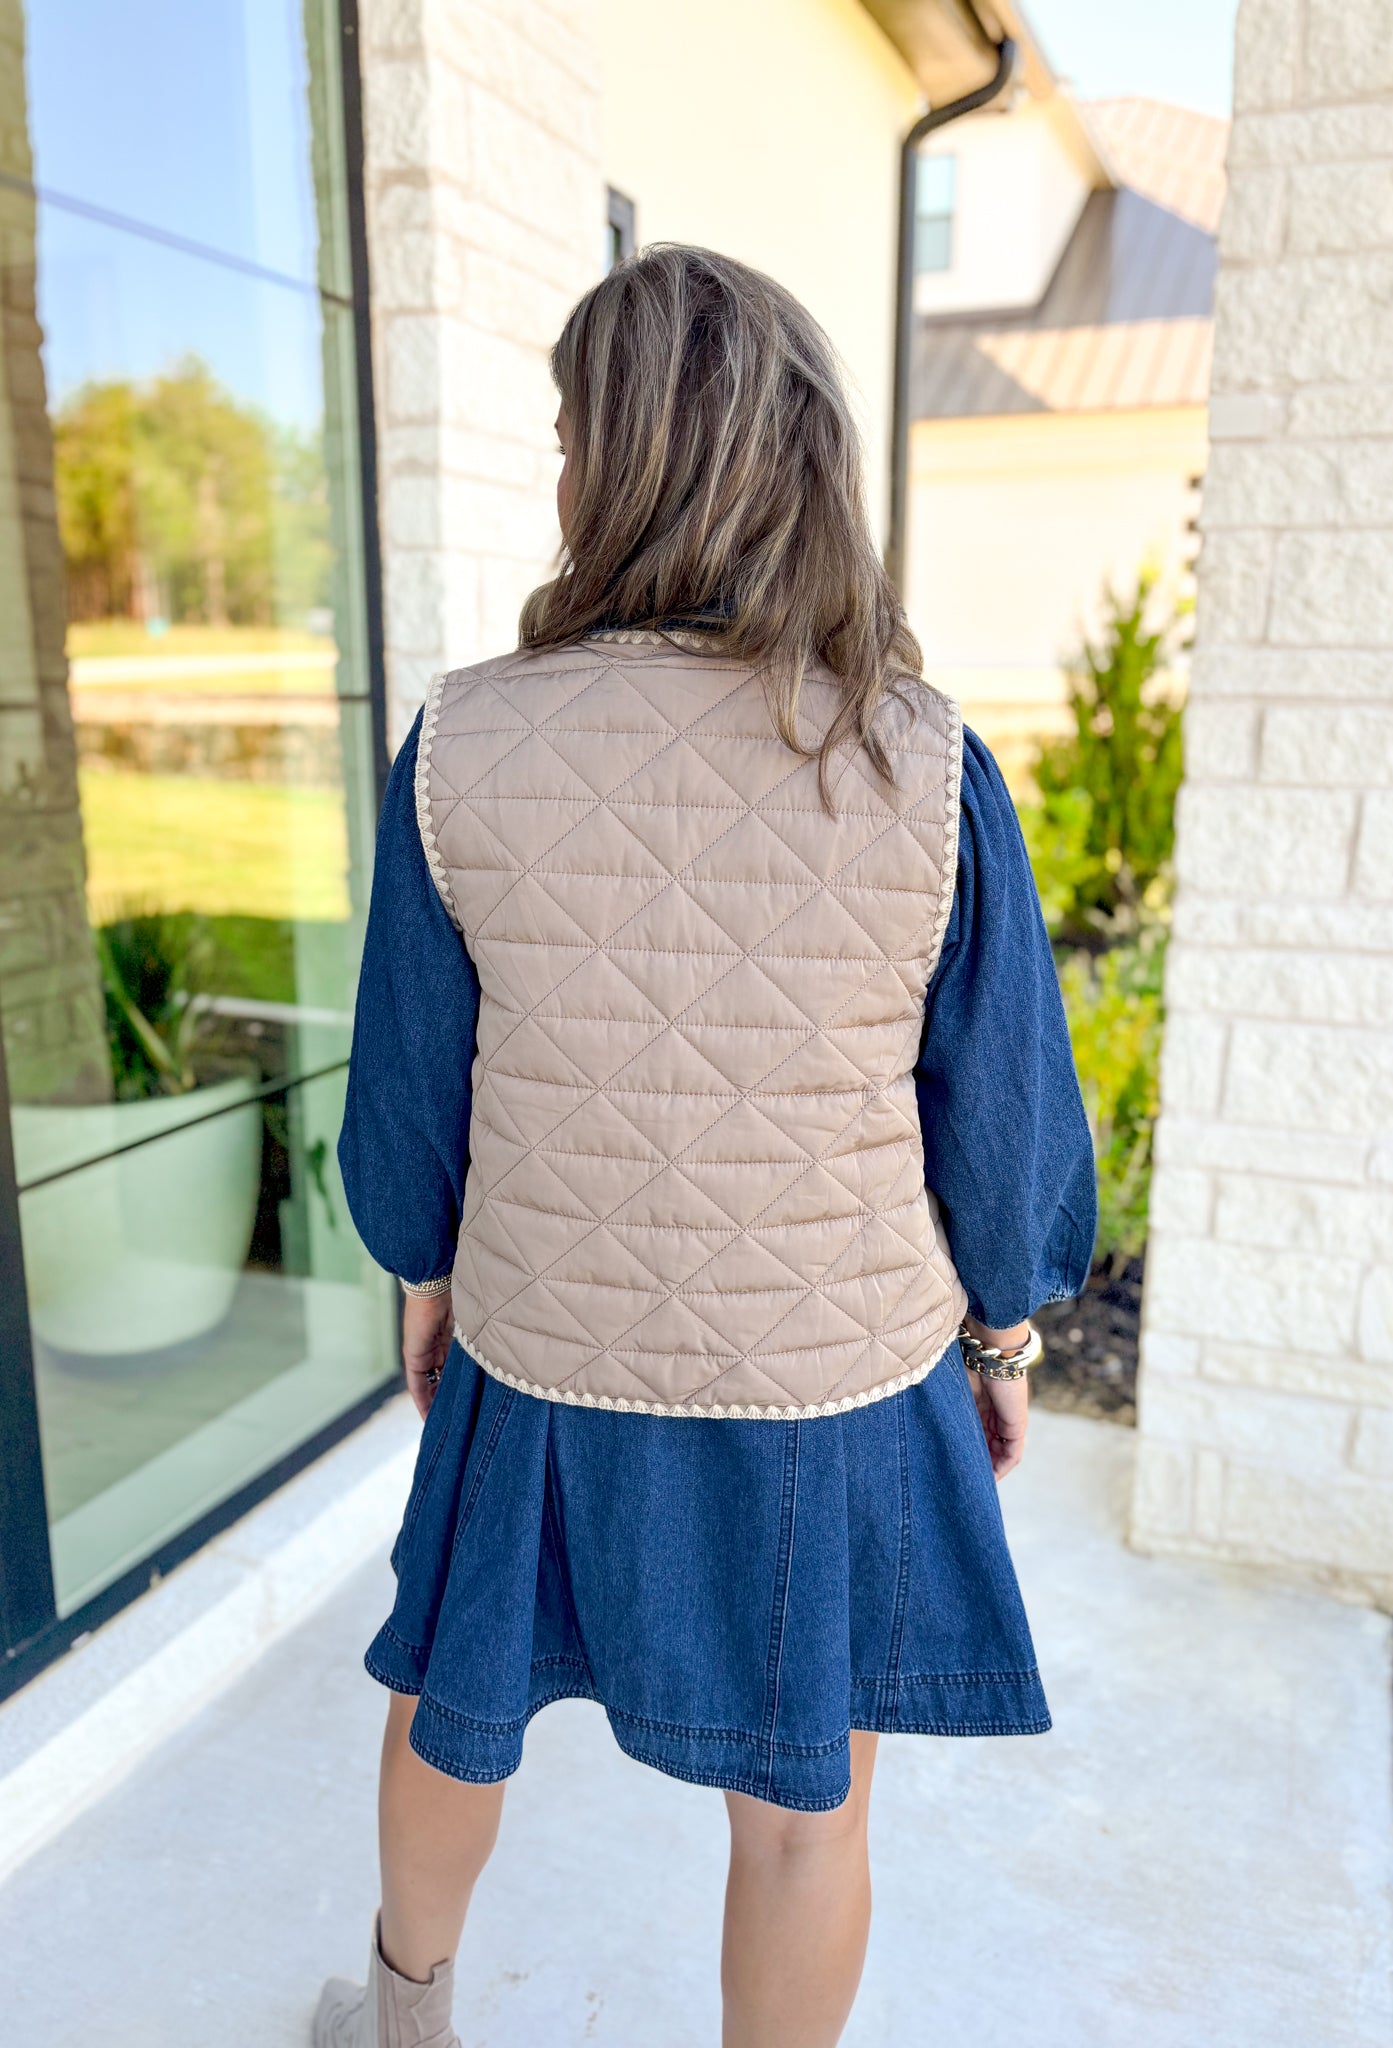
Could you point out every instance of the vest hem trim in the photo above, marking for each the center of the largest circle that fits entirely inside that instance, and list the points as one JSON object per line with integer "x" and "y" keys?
{"x": 735, "y": 1411}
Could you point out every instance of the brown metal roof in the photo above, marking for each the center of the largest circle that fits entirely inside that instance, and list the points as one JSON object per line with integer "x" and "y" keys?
{"x": 1125, "y": 321}
{"x": 1170, "y": 154}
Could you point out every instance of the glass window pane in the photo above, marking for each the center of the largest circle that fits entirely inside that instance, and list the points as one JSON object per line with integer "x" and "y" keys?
{"x": 186, "y": 782}
{"x": 935, "y": 184}
{"x": 195, "y": 120}
{"x": 935, "y": 192}
{"x": 199, "y": 1304}
{"x": 216, "y": 663}
{"x": 933, "y": 244}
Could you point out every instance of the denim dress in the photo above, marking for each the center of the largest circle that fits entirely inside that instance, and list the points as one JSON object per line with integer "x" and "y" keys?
{"x": 737, "y": 1595}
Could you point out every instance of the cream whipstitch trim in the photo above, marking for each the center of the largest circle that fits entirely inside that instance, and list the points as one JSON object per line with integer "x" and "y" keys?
{"x": 737, "y": 1411}
{"x": 951, "y": 823}
{"x": 648, "y": 636}
{"x": 430, "y": 718}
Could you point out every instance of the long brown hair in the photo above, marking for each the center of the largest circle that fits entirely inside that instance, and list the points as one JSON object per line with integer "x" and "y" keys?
{"x": 717, "y": 477}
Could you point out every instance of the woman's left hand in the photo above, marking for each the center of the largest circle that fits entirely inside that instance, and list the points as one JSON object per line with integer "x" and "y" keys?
{"x": 426, "y": 1329}
{"x": 1004, "y": 1406}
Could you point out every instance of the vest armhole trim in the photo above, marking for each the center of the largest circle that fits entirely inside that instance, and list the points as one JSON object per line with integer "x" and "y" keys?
{"x": 949, "y": 883}
{"x": 439, "y": 874}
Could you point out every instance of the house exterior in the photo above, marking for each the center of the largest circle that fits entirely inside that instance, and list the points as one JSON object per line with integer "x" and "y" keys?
{"x": 1061, "y": 377}
{"x": 497, "y": 140}
{"x": 275, "y": 443}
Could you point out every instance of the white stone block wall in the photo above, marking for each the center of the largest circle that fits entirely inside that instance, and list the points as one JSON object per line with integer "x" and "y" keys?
{"x": 486, "y": 207}
{"x": 1266, "y": 1413}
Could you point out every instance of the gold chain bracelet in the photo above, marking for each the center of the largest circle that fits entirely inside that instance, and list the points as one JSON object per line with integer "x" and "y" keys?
{"x": 991, "y": 1363}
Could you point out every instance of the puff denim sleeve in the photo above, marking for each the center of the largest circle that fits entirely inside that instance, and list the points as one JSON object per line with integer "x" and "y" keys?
{"x": 1007, "y": 1148}
{"x": 404, "y": 1147}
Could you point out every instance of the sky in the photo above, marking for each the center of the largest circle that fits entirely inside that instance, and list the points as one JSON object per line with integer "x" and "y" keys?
{"x": 190, "y": 117}
{"x": 1179, "y": 50}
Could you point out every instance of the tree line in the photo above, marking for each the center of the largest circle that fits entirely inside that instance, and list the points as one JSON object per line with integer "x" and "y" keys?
{"x": 178, "y": 502}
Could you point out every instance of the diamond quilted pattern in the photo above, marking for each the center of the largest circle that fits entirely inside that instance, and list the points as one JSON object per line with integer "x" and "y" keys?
{"x": 696, "y": 1183}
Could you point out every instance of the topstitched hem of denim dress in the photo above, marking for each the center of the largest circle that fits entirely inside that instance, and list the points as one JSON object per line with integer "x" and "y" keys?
{"x": 789, "y": 1775}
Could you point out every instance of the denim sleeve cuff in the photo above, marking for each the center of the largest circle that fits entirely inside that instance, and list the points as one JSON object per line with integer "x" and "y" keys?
{"x": 440, "y": 1285}
{"x": 1021, "y": 1310}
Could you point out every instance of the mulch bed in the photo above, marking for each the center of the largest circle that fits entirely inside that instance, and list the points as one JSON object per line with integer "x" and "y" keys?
{"x": 1090, "y": 1361}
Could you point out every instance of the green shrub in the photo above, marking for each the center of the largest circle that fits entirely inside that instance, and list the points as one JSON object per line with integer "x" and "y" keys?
{"x": 1056, "y": 838}
{"x": 1113, "y": 1004}
{"x": 1102, "y": 833}
{"x": 1100, "y": 839}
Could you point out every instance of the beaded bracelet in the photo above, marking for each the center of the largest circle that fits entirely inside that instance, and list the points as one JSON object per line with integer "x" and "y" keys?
{"x": 993, "y": 1364}
{"x": 440, "y": 1285}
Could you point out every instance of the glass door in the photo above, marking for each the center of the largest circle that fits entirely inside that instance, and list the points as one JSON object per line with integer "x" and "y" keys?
{"x": 187, "y": 754}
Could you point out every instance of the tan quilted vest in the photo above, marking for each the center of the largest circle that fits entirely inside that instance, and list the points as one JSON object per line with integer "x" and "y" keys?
{"x": 696, "y": 1176}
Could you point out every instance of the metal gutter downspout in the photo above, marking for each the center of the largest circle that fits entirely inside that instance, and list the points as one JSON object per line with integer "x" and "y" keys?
{"x": 937, "y": 117}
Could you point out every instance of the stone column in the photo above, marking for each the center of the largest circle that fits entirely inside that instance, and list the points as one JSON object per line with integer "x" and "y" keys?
{"x": 486, "y": 210}
{"x": 1267, "y": 1381}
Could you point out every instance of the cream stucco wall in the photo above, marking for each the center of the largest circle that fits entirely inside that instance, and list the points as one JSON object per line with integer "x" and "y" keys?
{"x": 1017, "y": 525}
{"x": 770, "y": 129}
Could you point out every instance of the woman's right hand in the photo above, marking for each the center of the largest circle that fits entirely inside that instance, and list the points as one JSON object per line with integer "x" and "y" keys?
{"x": 426, "y": 1328}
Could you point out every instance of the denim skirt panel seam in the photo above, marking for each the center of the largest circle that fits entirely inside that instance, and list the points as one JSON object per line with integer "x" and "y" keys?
{"x": 902, "y": 1576}
{"x": 737, "y": 1598}
{"x": 788, "y": 1510}
{"x": 499, "y": 1424}
{"x": 558, "y": 1539}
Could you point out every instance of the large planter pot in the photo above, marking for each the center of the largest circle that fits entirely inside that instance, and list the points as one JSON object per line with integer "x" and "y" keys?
{"x": 136, "y": 1250}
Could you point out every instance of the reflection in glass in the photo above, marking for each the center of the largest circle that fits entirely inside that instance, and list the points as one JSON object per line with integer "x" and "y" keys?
{"x": 192, "y": 121}
{"x": 186, "y": 797}
{"x": 218, "y": 1316}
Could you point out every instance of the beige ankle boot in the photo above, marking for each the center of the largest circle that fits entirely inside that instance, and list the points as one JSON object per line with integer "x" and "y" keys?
{"x": 391, "y": 2012}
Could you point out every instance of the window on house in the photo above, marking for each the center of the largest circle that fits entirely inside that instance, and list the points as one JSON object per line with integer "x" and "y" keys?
{"x": 934, "y": 201}
{"x": 619, "y": 228}
{"x": 187, "y": 780}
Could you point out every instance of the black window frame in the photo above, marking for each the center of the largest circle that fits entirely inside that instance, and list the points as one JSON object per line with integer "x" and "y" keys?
{"x": 32, "y": 1634}
{"x": 621, "y": 220}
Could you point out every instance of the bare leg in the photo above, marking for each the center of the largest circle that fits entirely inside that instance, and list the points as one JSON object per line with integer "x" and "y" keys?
{"x": 435, "y": 1835}
{"x": 798, "y": 1912}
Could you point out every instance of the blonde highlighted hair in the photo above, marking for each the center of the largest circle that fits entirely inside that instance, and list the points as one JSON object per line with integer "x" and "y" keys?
{"x": 716, "y": 478}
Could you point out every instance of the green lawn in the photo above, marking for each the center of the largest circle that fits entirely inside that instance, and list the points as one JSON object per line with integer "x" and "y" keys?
{"x": 177, "y": 842}
{"x": 147, "y": 662}
{"x": 128, "y": 636}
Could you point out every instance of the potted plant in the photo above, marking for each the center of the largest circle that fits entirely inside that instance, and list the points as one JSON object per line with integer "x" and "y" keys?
{"x": 137, "y": 1213}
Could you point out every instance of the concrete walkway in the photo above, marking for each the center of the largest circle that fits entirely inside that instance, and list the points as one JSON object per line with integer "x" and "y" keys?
{"x": 1197, "y": 1857}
